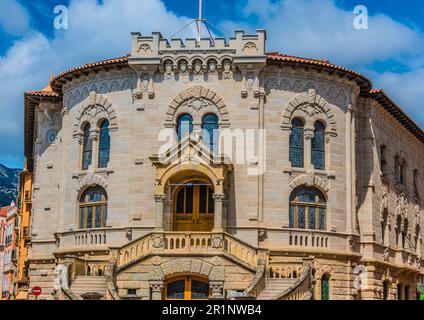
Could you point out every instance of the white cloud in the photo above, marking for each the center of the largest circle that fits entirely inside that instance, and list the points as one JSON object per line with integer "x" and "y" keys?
{"x": 406, "y": 90}
{"x": 319, "y": 28}
{"x": 14, "y": 18}
{"x": 96, "y": 31}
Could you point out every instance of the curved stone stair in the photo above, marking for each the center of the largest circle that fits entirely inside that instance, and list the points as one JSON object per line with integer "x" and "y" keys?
{"x": 274, "y": 287}
{"x": 93, "y": 287}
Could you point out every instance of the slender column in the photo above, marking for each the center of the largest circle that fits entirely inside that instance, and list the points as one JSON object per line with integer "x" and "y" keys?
{"x": 308, "y": 134}
{"x": 218, "y": 225}
{"x": 261, "y": 157}
{"x": 95, "y": 137}
{"x": 348, "y": 162}
{"x": 160, "y": 198}
{"x": 353, "y": 172}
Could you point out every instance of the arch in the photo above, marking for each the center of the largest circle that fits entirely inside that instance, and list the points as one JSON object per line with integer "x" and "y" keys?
{"x": 197, "y": 101}
{"x": 311, "y": 107}
{"x": 95, "y": 109}
{"x": 90, "y": 180}
{"x": 307, "y": 211}
{"x": 310, "y": 180}
{"x": 93, "y": 211}
{"x": 182, "y": 169}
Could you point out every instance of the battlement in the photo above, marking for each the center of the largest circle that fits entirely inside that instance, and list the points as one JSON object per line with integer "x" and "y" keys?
{"x": 155, "y": 49}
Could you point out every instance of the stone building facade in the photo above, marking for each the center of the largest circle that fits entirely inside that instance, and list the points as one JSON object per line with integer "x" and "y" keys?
{"x": 137, "y": 192}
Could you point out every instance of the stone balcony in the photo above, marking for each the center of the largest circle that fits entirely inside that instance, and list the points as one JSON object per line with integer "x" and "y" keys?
{"x": 189, "y": 243}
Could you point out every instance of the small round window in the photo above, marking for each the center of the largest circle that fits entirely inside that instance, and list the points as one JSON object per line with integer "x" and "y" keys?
{"x": 51, "y": 136}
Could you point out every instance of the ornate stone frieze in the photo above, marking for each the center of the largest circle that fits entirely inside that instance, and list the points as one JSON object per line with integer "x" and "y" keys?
{"x": 78, "y": 90}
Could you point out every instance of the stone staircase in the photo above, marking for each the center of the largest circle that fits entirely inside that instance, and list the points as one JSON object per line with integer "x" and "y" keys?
{"x": 274, "y": 287}
{"x": 90, "y": 287}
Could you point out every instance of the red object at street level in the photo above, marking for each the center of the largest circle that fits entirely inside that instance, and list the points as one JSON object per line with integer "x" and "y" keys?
{"x": 36, "y": 291}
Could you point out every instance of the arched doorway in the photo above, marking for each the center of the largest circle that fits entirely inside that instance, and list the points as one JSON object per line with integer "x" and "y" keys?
{"x": 187, "y": 287}
{"x": 193, "y": 206}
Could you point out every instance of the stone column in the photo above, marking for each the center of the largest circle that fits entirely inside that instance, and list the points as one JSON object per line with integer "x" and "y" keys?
{"x": 95, "y": 137}
{"x": 349, "y": 178}
{"x": 308, "y": 135}
{"x": 218, "y": 225}
{"x": 156, "y": 288}
{"x": 159, "y": 198}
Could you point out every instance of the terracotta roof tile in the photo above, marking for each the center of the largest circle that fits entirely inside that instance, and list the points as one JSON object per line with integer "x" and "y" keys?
{"x": 42, "y": 93}
{"x": 3, "y": 211}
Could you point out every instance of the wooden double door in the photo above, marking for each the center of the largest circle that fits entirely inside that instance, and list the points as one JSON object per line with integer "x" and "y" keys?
{"x": 194, "y": 207}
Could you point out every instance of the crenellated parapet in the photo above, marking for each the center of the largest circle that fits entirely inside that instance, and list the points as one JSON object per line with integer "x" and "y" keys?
{"x": 196, "y": 58}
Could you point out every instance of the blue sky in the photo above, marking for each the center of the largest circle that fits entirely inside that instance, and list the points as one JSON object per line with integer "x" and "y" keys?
{"x": 390, "y": 52}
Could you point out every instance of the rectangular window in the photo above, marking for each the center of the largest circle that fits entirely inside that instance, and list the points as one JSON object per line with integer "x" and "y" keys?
{"x": 416, "y": 192}
{"x": 383, "y": 161}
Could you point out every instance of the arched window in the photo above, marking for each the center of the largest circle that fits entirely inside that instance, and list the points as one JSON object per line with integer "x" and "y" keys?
{"x": 325, "y": 287}
{"x": 210, "y": 132}
{"x": 184, "y": 126}
{"x": 93, "y": 208}
{"x": 307, "y": 209}
{"x": 318, "y": 146}
{"x": 104, "y": 144}
{"x": 87, "y": 147}
{"x": 296, "y": 143}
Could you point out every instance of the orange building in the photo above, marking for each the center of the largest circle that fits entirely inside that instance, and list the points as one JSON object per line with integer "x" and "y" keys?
{"x": 10, "y": 253}
{"x": 24, "y": 212}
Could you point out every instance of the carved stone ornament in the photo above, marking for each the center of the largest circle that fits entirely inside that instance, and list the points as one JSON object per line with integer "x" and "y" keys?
{"x": 386, "y": 254}
{"x": 216, "y": 242}
{"x": 227, "y": 73}
{"x": 157, "y": 242}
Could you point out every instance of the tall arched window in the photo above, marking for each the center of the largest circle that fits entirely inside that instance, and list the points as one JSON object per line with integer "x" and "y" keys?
{"x": 318, "y": 146}
{"x": 93, "y": 208}
{"x": 87, "y": 147}
{"x": 184, "y": 126}
{"x": 210, "y": 132}
{"x": 104, "y": 144}
{"x": 325, "y": 287}
{"x": 296, "y": 143}
{"x": 307, "y": 209}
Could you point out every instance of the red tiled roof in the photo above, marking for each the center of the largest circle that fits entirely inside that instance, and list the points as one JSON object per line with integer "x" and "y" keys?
{"x": 276, "y": 56}
{"x": 42, "y": 93}
{"x": 3, "y": 211}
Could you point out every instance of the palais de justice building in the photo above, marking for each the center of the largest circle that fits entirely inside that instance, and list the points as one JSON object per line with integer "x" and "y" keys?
{"x": 329, "y": 207}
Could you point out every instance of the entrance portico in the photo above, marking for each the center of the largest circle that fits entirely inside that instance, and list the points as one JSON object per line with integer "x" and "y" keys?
{"x": 193, "y": 182}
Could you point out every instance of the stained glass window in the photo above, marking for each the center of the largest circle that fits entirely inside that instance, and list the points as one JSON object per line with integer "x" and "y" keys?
{"x": 325, "y": 287}
{"x": 307, "y": 209}
{"x": 210, "y": 132}
{"x": 318, "y": 146}
{"x": 93, "y": 208}
{"x": 184, "y": 126}
{"x": 104, "y": 144}
{"x": 296, "y": 143}
{"x": 87, "y": 147}
{"x": 199, "y": 290}
{"x": 176, "y": 290}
